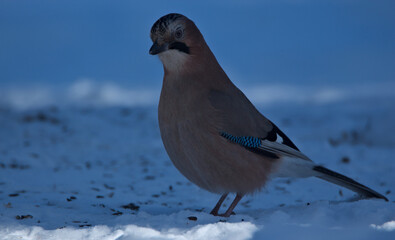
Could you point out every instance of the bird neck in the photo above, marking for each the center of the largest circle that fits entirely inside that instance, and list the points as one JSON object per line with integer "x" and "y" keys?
{"x": 201, "y": 65}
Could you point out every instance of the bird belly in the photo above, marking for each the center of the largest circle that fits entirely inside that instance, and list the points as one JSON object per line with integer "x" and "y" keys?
{"x": 212, "y": 162}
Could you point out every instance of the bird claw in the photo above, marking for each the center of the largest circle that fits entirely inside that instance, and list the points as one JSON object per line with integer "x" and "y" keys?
{"x": 226, "y": 214}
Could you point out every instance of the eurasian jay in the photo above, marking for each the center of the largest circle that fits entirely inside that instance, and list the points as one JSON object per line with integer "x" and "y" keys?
{"x": 212, "y": 133}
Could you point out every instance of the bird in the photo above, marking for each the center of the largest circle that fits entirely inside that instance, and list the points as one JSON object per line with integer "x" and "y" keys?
{"x": 211, "y": 131}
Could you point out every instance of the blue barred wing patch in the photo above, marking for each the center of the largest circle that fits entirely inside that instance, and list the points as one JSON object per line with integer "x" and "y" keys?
{"x": 253, "y": 144}
{"x": 249, "y": 142}
{"x": 265, "y": 147}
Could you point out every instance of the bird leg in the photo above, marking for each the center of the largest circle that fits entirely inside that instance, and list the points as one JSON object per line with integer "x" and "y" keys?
{"x": 232, "y": 206}
{"x": 218, "y": 205}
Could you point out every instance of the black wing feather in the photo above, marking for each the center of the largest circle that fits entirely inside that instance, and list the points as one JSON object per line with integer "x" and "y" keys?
{"x": 272, "y": 136}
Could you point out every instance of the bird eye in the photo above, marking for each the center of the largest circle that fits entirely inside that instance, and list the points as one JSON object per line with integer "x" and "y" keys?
{"x": 179, "y": 33}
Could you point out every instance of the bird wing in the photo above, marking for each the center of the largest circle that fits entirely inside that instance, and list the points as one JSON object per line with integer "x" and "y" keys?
{"x": 241, "y": 123}
{"x": 265, "y": 147}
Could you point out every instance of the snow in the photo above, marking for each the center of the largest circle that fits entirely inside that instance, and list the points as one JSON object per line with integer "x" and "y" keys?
{"x": 388, "y": 226}
{"x": 85, "y": 165}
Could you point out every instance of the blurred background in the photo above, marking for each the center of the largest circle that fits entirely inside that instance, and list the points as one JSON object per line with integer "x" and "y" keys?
{"x": 95, "y": 50}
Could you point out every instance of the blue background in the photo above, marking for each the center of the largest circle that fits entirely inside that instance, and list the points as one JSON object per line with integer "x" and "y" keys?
{"x": 53, "y": 43}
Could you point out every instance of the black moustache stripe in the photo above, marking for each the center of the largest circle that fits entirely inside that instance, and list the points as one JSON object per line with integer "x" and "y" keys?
{"x": 180, "y": 46}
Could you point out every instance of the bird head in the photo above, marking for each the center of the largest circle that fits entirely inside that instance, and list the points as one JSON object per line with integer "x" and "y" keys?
{"x": 175, "y": 40}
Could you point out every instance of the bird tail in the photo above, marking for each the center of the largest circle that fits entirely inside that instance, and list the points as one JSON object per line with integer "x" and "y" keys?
{"x": 346, "y": 182}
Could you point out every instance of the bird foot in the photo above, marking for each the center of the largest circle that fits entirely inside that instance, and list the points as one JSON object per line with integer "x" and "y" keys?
{"x": 226, "y": 214}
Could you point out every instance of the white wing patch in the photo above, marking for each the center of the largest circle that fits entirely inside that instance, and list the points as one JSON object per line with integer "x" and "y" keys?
{"x": 279, "y": 139}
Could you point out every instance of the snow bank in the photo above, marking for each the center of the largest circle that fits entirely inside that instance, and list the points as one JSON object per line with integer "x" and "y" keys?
{"x": 214, "y": 231}
{"x": 87, "y": 92}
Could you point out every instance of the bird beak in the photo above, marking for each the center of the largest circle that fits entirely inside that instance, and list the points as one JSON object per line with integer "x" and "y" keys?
{"x": 156, "y": 48}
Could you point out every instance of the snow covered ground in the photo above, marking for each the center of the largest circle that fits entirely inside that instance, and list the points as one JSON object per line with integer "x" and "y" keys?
{"x": 88, "y": 163}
